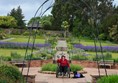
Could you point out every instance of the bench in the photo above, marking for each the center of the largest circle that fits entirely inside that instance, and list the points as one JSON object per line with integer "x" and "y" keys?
{"x": 30, "y": 78}
{"x": 109, "y": 63}
{"x": 19, "y": 63}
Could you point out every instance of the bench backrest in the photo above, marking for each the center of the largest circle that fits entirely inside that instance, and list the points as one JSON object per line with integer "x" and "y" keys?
{"x": 19, "y": 61}
{"x": 107, "y": 62}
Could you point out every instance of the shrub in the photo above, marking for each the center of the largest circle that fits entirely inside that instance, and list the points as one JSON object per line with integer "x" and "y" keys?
{"x": 3, "y": 35}
{"x": 75, "y": 67}
{"x": 116, "y": 60}
{"x": 108, "y": 79}
{"x": 5, "y": 58}
{"x": 10, "y": 74}
{"x": 16, "y": 56}
{"x": 102, "y": 36}
{"x": 79, "y": 57}
{"x": 107, "y": 56}
{"x": 49, "y": 67}
{"x": 53, "y": 67}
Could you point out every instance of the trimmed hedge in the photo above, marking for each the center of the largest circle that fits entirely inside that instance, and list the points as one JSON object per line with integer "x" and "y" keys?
{"x": 108, "y": 79}
{"x": 10, "y": 74}
{"x": 53, "y": 67}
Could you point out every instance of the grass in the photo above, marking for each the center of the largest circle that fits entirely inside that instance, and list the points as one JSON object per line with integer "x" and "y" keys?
{"x": 7, "y": 52}
{"x": 114, "y": 55}
{"x": 23, "y": 39}
{"x": 87, "y": 41}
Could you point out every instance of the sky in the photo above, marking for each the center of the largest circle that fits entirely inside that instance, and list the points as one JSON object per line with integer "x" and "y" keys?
{"x": 28, "y": 7}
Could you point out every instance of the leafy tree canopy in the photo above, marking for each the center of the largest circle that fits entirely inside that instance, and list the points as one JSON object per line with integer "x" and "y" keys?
{"x": 8, "y": 22}
{"x": 17, "y": 14}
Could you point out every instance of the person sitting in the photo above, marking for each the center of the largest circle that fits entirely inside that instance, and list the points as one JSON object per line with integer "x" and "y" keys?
{"x": 77, "y": 75}
{"x": 63, "y": 65}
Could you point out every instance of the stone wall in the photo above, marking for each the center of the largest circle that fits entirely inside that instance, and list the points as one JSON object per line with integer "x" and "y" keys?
{"x": 89, "y": 64}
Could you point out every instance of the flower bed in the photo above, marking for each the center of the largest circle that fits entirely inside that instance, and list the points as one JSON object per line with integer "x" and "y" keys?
{"x": 92, "y": 48}
{"x": 21, "y": 45}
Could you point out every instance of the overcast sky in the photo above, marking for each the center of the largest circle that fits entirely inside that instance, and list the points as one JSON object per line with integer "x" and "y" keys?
{"x": 28, "y": 7}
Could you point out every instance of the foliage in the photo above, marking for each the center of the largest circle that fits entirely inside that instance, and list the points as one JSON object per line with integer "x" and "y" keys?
{"x": 52, "y": 41}
{"x": 5, "y": 58}
{"x": 10, "y": 74}
{"x": 82, "y": 10}
{"x": 107, "y": 56}
{"x": 44, "y": 21}
{"x": 65, "y": 25}
{"x": 43, "y": 54}
{"x": 102, "y": 36}
{"x": 2, "y": 35}
{"x": 79, "y": 57}
{"x": 17, "y": 14}
{"x": 116, "y": 60}
{"x": 34, "y": 20}
{"x": 108, "y": 79}
{"x": 49, "y": 67}
{"x": 109, "y": 26}
{"x": 74, "y": 67}
{"x": 53, "y": 67}
{"x": 16, "y": 56}
{"x": 114, "y": 33}
{"x": 8, "y": 22}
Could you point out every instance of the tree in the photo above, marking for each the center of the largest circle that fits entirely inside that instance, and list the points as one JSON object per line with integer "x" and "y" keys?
{"x": 45, "y": 21}
{"x": 17, "y": 14}
{"x": 82, "y": 10}
{"x": 8, "y": 22}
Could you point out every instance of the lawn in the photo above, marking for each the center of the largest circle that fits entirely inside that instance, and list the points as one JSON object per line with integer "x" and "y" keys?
{"x": 87, "y": 41}
{"x": 103, "y": 43}
{"x": 23, "y": 40}
{"x": 7, "y": 52}
{"x": 114, "y": 55}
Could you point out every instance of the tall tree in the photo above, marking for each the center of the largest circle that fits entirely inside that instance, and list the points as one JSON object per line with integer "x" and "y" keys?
{"x": 17, "y": 14}
{"x": 81, "y": 10}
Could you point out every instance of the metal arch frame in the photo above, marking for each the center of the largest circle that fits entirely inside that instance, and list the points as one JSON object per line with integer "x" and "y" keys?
{"x": 96, "y": 38}
{"x": 34, "y": 37}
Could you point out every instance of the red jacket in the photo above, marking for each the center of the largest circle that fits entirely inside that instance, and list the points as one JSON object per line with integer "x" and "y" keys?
{"x": 63, "y": 62}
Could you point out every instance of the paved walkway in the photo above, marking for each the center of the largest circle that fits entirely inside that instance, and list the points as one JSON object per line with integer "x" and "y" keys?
{"x": 7, "y": 39}
{"x": 50, "y": 78}
{"x": 61, "y": 44}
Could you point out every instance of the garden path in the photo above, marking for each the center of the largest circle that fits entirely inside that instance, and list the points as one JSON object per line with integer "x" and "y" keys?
{"x": 51, "y": 78}
{"x": 61, "y": 49}
{"x": 7, "y": 39}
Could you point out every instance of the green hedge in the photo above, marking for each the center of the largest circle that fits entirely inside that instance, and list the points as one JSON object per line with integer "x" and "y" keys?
{"x": 53, "y": 67}
{"x": 108, "y": 79}
{"x": 10, "y": 74}
{"x": 75, "y": 67}
{"x": 49, "y": 67}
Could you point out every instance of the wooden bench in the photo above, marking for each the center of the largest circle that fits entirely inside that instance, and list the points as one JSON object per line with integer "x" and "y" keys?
{"x": 30, "y": 78}
{"x": 19, "y": 63}
{"x": 109, "y": 63}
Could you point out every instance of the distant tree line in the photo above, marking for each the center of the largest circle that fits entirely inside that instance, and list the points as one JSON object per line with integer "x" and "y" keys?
{"x": 14, "y": 19}
{"x": 83, "y": 16}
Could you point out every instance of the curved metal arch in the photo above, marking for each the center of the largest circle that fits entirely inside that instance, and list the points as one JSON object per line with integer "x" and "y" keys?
{"x": 34, "y": 37}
